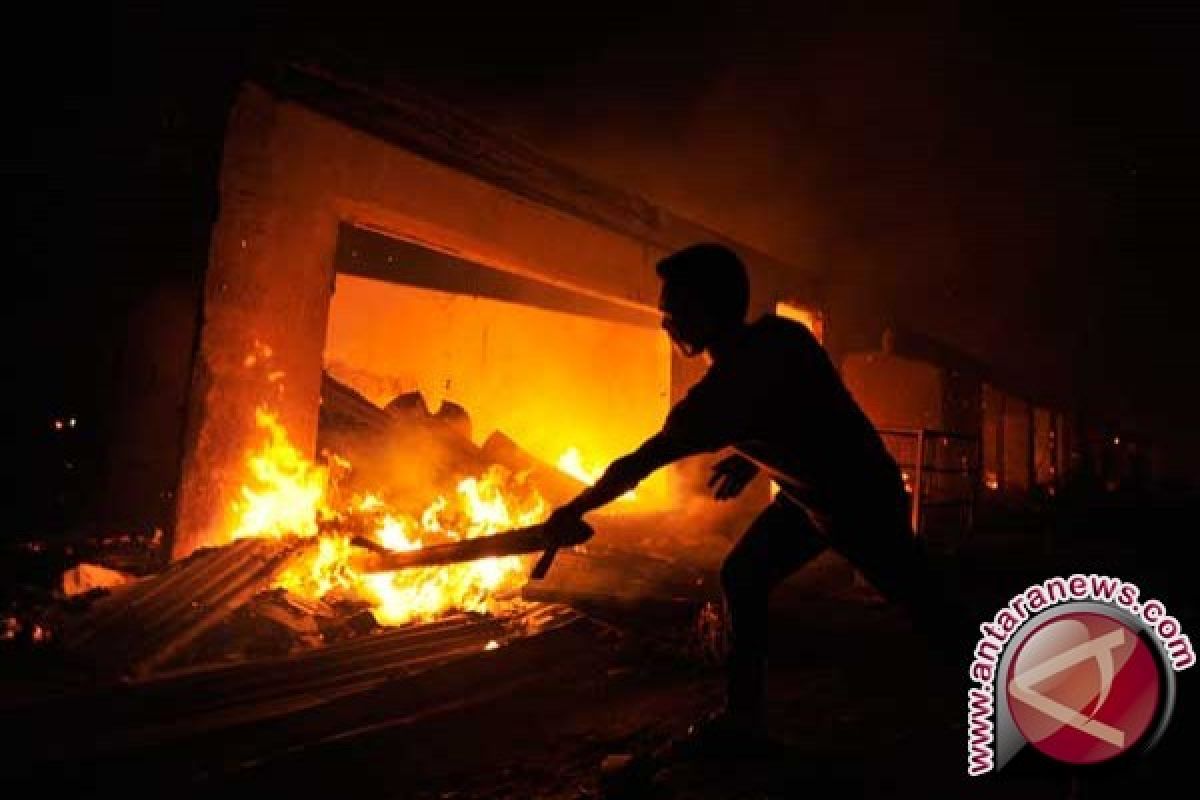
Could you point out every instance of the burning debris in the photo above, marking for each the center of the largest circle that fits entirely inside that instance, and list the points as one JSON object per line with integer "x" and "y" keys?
{"x": 314, "y": 554}
{"x": 290, "y": 497}
{"x": 401, "y": 521}
{"x": 84, "y": 578}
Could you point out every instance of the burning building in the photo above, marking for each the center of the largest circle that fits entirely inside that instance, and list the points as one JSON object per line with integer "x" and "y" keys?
{"x": 382, "y": 263}
{"x": 955, "y": 431}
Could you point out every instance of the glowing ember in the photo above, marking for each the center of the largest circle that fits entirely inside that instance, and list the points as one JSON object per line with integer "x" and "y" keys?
{"x": 287, "y": 495}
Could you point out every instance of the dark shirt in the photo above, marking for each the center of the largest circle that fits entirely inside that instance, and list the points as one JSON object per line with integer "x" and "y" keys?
{"x": 776, "y": 397}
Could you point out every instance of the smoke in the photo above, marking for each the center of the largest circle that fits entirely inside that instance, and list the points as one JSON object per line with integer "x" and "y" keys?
{"x": 958, "y": 172}
{"x": 840, "y": 152}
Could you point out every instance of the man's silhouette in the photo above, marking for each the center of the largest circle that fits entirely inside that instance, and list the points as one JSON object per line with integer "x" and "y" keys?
{"x": 773, "y": 395}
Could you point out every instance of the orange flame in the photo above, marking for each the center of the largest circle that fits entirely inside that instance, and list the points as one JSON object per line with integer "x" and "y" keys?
{"x": 288, "y": 495}
{"x": 571, "y": 462}
{"x": 288, "y": 491}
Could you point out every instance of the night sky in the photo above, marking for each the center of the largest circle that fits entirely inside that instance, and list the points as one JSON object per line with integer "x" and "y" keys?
{"x": 1021, "y": 182}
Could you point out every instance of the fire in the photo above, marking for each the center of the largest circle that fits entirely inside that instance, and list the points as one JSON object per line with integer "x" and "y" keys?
{"x": 286, "y": 495}
{"x": 571, "y": 462}
{"x": 288, "y": 491}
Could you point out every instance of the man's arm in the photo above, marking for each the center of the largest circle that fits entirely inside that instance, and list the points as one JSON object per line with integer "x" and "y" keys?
{"x": 705, "y": 420}
{"x": 628, "y": 471}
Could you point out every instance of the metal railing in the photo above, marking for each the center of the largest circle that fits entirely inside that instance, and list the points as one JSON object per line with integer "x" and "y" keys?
{"x": 941, "y": 473}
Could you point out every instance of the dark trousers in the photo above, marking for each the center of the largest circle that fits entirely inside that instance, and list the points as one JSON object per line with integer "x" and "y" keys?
{"x": 876, "y": 538}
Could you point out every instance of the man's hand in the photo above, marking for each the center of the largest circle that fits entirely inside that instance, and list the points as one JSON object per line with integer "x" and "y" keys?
{"x": 730, "y": 476}
{"x": 565, "y": 527}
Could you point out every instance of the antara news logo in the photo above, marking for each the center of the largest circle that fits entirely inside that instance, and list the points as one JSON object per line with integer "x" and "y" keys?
{"x": 1077, "y": 667}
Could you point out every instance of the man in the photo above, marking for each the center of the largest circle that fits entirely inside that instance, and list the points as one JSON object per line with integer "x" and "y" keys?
{"x": 772, "y": 394}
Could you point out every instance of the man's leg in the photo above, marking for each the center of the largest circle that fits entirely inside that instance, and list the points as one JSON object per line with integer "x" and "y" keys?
{"x": 779, "y": 542}
{"x": 878, "y": 539}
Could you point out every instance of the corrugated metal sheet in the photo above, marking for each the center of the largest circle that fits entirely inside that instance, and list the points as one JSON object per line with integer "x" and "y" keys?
{"x": 122, "y": 717}
{"x": 138, "y": 629}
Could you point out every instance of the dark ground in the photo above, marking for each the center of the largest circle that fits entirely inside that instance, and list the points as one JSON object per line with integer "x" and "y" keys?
{"x": 860, "y": 709}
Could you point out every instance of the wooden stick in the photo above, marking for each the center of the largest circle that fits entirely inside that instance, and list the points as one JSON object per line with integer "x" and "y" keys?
{"x": 533, "y": 539}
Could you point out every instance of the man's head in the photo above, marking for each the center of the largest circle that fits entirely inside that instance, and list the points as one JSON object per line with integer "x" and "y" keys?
{"x": 705, "y": 295}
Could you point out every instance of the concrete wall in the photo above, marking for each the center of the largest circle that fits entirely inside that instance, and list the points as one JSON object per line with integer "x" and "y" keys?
{"x": 290, "y": 176}
{"x": 962, "y": 403}
{"x": 1065, "y": 444}
{"x": 1024, "y": 445}
{"x": 896, "y": 392}
{"x": 1018, "y": 445}
{"x": 992, "y": 440}
{"x": 1045, "y": 446}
